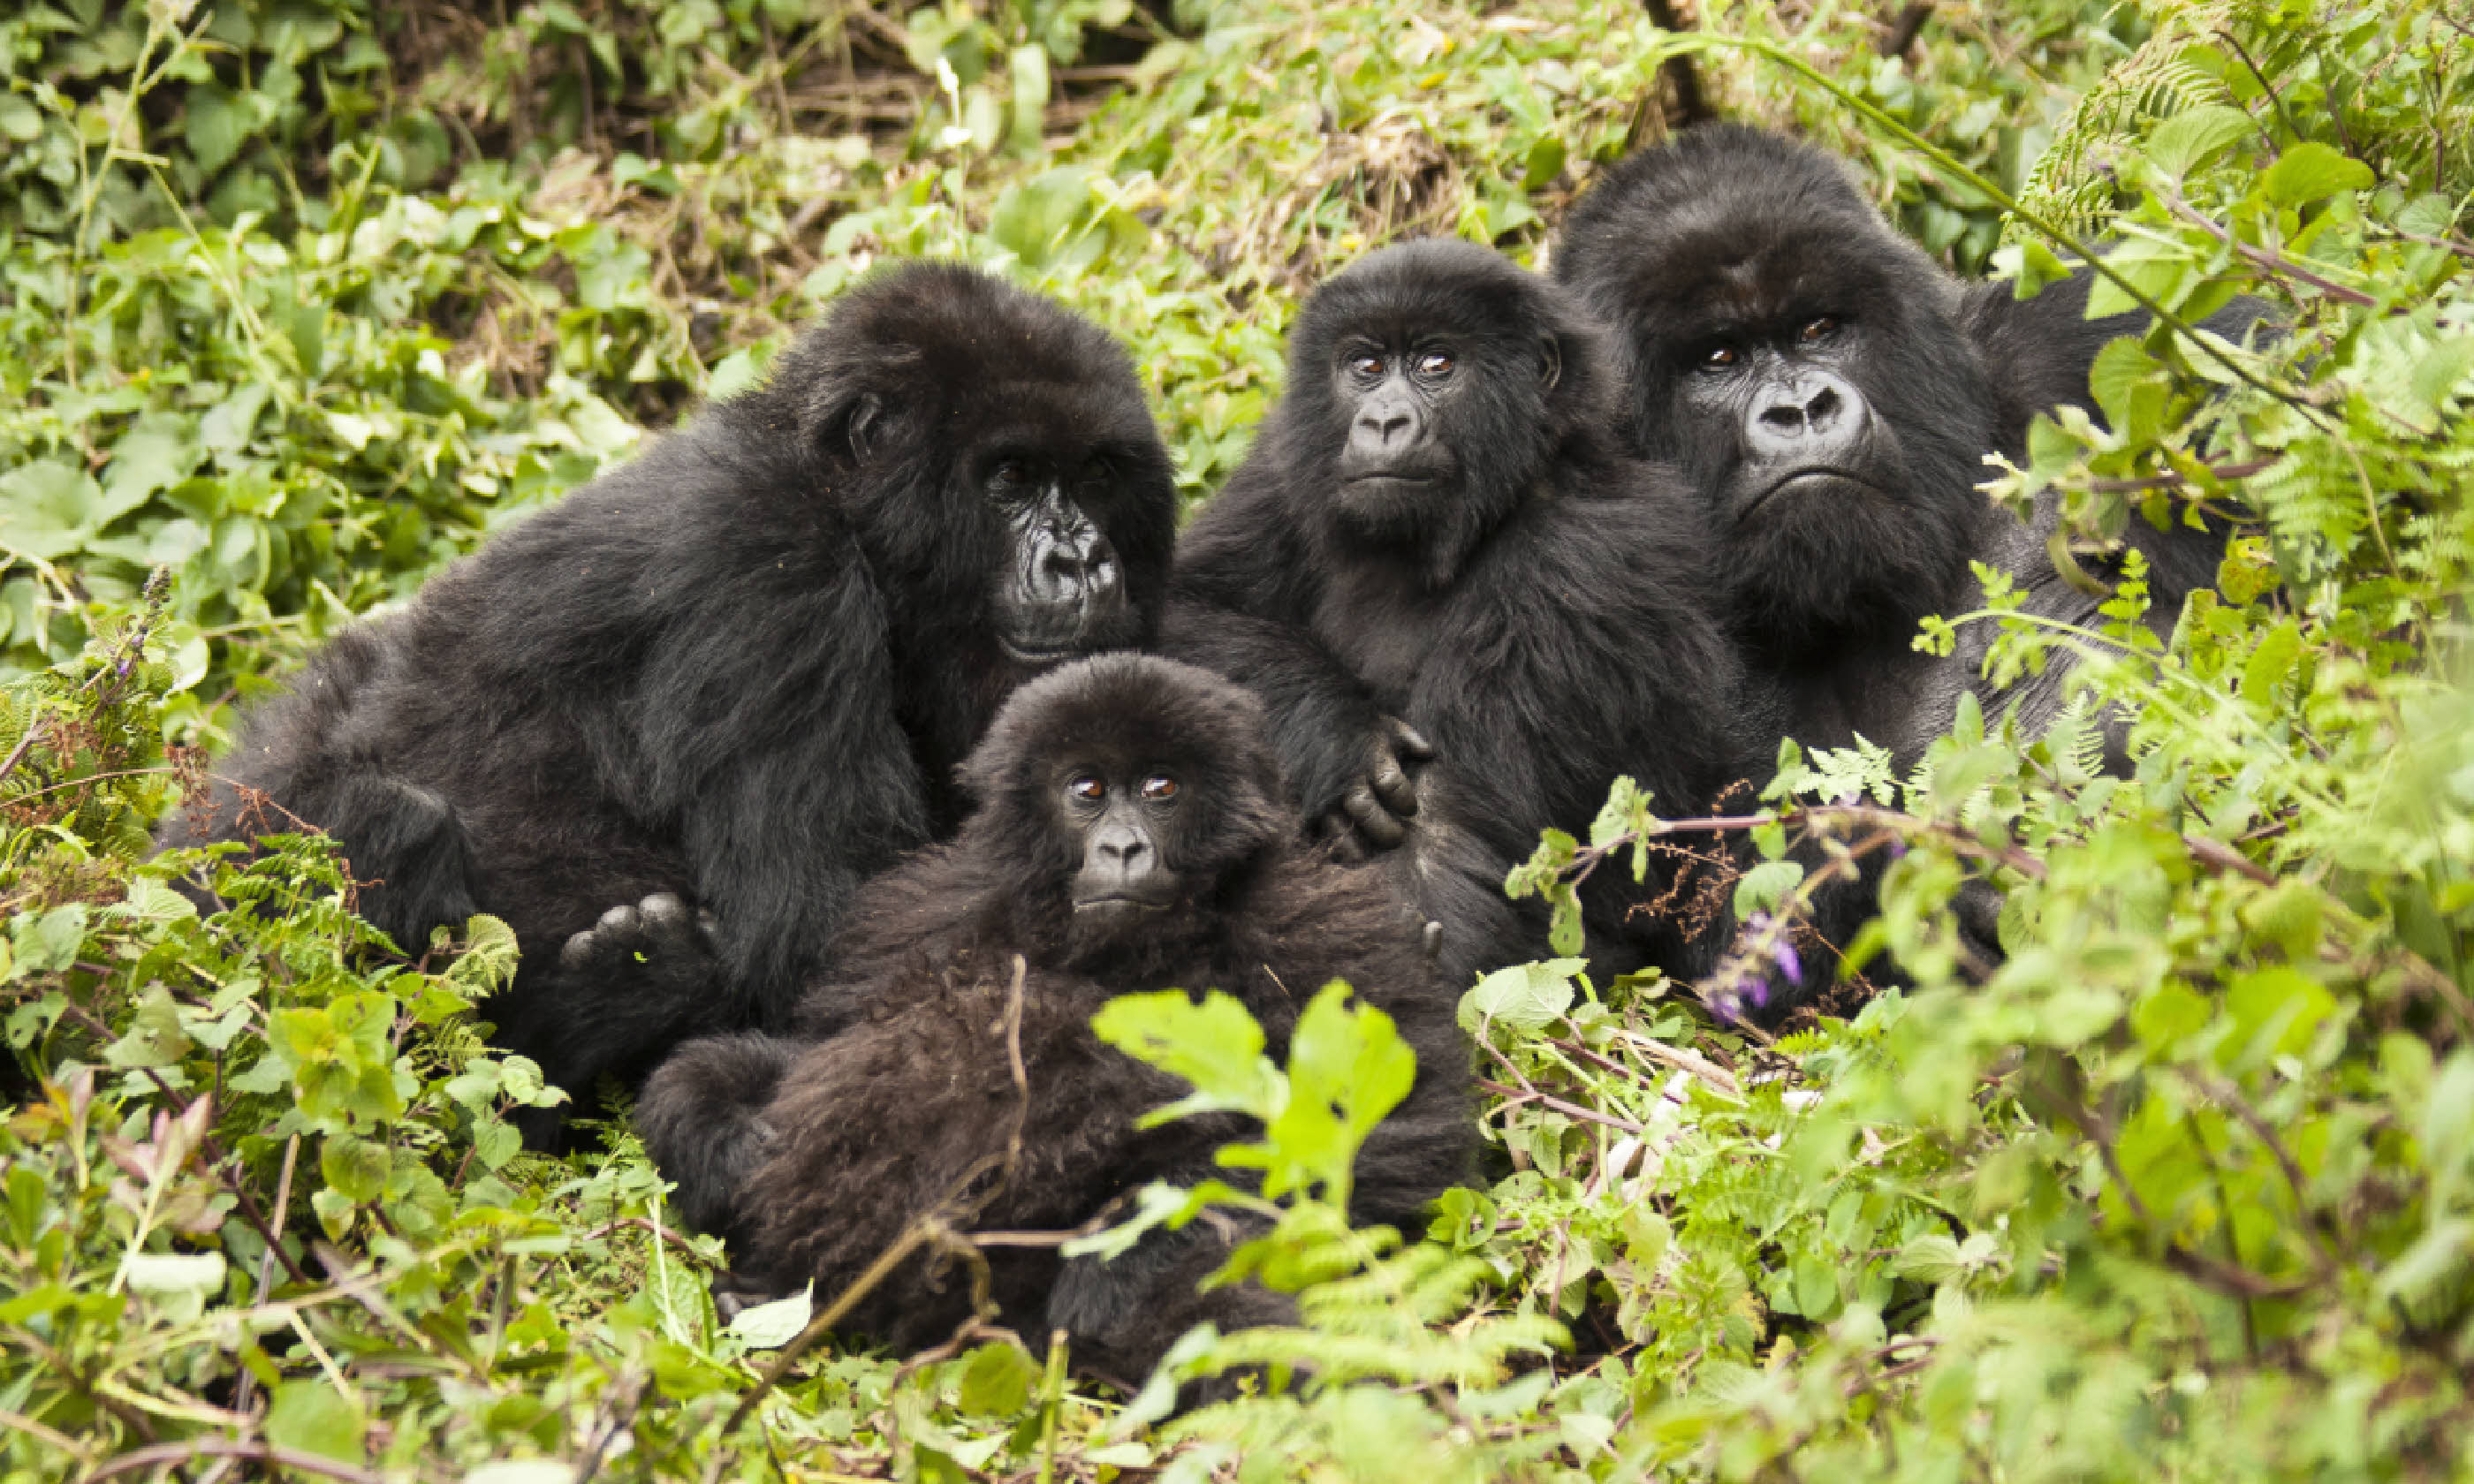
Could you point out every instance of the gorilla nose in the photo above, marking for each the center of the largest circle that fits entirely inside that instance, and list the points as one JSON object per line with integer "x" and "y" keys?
{"x": 1077, "y": 565}
{"x": 1812, "y": 415}
{"x": 1385, "y": 428}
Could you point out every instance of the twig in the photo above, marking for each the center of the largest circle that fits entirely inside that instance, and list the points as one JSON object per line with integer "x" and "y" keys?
{"x": 1904, "y": 27}
{"x": 1568, "y": 1110}
{"x": 2263, "y": 258}
{"x": 266, "y": 1262}
{"x": 231, "y": 1447}
{"x": 1676, "y": 71}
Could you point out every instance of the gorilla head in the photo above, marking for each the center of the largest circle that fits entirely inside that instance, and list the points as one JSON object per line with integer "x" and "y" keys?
{"x": 997, "y": 457}
{"x": 1803, "y": 364}
{"x": 1122, "y": 792}
{"x": 1434, "y": 380}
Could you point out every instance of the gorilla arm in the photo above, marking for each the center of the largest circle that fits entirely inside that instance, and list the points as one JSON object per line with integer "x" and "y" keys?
{"x": 788, "y": 775}
{"x": 1243, "y": 589}
{"x": 1579, "y": 654}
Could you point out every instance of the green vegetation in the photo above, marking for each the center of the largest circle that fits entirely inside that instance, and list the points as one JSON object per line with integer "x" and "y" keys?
{"x": 304, "y": 296}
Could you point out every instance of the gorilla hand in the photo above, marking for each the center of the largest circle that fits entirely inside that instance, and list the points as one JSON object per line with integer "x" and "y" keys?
{"x": 1372, "y": 813}
{"x": 657, "y": 937}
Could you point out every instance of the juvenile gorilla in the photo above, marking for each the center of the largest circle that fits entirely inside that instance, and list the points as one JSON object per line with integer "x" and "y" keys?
{"x": 1466, "y": 607}
{"x": 1130, "y": 836}
{"x": 1830, "y": 395}
{"x": 734, "y": 675}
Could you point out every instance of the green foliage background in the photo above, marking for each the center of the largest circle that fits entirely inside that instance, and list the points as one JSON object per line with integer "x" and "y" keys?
{"x": 304, "y": 297}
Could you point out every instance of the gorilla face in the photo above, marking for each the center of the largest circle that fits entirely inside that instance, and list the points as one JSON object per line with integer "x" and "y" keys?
{"x": 1120, "y": 792}
{"x": 1003, "y": 465}
{"x": 1063, "y": 592}
{"x": 1804, "y": 365}
{"x": 1433, "y": 384}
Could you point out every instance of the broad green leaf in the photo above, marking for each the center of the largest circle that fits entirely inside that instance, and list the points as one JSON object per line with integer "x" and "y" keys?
{"x": 2312, "y": 171}
{"x": 2189, "y": 141}
{"x": 310, "y": 1416}
{"x": 48, "y": 508}
{"x": 1524, "y": 997}
{"x": 997, "y": 1380}
{"x": 772, "y": 1326}
{"x": 1212, "y": 1043}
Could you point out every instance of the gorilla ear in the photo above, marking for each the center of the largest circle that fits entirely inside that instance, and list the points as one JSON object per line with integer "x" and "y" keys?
{"x": 1550, "y": 362}
{"x": 865, "y": 411}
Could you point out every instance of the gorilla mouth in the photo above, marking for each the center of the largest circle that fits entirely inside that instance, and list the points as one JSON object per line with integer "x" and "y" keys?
{"x": 1813, "y": 476}
{"x": 1118, "y": 907}
{"x": 1040, "y": 653}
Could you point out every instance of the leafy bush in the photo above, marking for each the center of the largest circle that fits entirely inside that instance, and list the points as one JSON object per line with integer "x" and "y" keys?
{"x": 311, "y": 294}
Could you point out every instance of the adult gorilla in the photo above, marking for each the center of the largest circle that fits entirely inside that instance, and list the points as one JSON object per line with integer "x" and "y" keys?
{"x": 737, "y": 671}
{"x": 1130, "y": 835}
{"x": 1831, "y": 393}
{"x": 1437, "y": 539}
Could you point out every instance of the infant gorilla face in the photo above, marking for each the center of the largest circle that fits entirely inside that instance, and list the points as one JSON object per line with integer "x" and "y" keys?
{"x": 1122, "y": 815}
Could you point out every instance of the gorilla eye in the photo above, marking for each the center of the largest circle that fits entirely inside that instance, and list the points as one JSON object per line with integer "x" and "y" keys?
{"x": 1010, "y": 472}
{"x": 1088, "y": 787}
{"x": 1365, "y": 365}
{"x": 1435, "y": 363}
{"x": 1720, "y": 357}
{"x": 1820, "y": 329}
{"x": 1160, "y": 788}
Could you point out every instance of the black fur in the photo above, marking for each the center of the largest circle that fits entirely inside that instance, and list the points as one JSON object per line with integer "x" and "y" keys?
{"x": 1732, "y": 242}
{"x": 903, "y": 1088}
{"x": 739, "y": 670}
{"x": 1532, "y": 612}
{"x": 1728, "y": 236}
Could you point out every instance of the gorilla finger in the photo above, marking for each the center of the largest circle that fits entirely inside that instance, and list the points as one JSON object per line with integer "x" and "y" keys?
{"x": 578, "y": 951}
{"x": 664, "y": 914}
{"x": 707, "y": 925}
{"x": 1409, "y": 742}
{"x": 1373, "y": 821}
{"x": 1395, "y": 789}
{"x": 1434, "y": 941}
{"x": 622, "y": 919}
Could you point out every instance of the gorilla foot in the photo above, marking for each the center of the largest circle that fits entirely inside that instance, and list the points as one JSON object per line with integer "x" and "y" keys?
{"x": 656, "y": 936}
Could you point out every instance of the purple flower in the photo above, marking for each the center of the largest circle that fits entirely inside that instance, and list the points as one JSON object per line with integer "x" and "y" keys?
{"x": 1789, "y": 964}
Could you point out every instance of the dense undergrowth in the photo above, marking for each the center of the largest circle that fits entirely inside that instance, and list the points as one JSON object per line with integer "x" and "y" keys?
{"x": 302, "y": 297}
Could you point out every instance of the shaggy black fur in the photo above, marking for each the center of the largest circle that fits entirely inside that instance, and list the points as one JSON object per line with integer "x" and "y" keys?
{"x": 739, "y": 670}
{"x": 812, "y": 1161}
{"x": 1831, "y": 394}
{"x": 1750, "y": 284}
{"x": 1438, "y": 524}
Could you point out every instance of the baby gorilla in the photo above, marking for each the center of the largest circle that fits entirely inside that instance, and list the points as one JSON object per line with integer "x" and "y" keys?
{"x": 1130, "y": 835}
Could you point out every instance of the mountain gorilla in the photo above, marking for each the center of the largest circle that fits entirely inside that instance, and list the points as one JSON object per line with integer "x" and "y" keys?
{"x": 733, "y": 677}
{"x": 1130, "y": 836}
{"x": 1437, "y": 539}
{"x": 1830, "y": 395}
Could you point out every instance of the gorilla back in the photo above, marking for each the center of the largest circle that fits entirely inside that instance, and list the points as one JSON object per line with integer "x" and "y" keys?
{"x": 740, "y": 669}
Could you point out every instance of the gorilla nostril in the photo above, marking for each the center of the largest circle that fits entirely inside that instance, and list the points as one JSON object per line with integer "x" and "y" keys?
{"x": 1824, "y": 407}
{"x": 1784, "y": 417}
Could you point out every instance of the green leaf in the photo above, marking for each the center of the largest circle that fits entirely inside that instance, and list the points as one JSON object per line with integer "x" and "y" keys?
{"x": 1524, "y": 997}
{"x": 48, "y": 508}
{"x": 997, "y": 1380}
{"x": 2271, "y": 663}
{"x": 2312, "y": 171}
{"x": 310, "y": 1416}
{"x": 1767, "y": 885}
{"x": 1036, "y": 219}
{"x": 772, "y": 1326}
{"x": 47, "y": 942}
{"x": 2188, "y": 140}
{"x": 180, "y": 1285}
{"x": 1212, "y": 1043}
